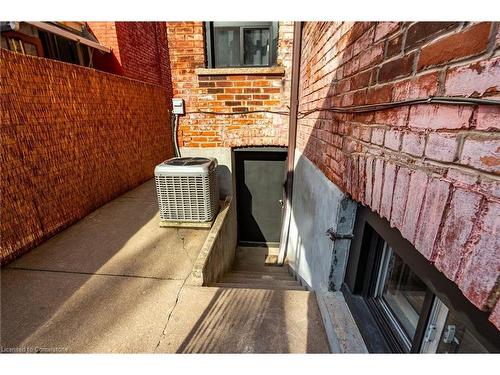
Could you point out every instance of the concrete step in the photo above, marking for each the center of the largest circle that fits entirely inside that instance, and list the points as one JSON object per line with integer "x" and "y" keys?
{"x": 238, "y": 280}
{"x": 258, "y": 268}
{"x": 253, "y": 269}
{"x": 258, "y": 276}
{"x": 269, "y": 286}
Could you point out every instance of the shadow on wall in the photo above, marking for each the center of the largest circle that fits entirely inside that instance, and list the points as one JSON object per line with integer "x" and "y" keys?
{"x": 319, "y": 201}
{"x": 141, "y": 53}
{"x": 224, "y": 181}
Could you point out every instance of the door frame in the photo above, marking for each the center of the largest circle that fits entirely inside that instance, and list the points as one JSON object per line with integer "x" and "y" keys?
{"x": 236, "y": 161}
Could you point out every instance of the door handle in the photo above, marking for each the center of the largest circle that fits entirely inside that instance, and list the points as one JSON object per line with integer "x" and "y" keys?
{"x": 280, "y": 201}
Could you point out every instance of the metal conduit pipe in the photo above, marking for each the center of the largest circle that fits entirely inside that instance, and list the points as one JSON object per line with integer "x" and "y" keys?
{"x": 292, "y": 135}
{"x": 175, "y": 127}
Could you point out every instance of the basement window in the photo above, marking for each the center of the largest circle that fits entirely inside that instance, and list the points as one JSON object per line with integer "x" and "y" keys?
{"x": 241, "y": 44}
{"x": 402, "y": 303}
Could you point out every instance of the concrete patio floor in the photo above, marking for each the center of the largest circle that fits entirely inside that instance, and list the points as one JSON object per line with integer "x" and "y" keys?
{"x": 115, "y": 282}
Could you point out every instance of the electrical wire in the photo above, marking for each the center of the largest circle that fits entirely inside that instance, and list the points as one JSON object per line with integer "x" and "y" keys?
{"x": 239, "y": 113}
{"x": 401, "y": 103}
{"x": 450, "y": 100}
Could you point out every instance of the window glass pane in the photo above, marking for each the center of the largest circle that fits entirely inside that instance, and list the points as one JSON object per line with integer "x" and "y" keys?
{"x": 256, "y": 46}
{"x": 67, "y": 50}
{"x": 401, "y": 291}
{"x": 227, "y": 46}
{"x": 458, "y": 339}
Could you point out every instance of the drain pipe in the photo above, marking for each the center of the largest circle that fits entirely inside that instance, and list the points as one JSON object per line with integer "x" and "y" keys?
{"x": 292, "y": 135}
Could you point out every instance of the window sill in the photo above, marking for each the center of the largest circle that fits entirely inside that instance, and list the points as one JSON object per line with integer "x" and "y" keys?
{"x": 271, "y": 70}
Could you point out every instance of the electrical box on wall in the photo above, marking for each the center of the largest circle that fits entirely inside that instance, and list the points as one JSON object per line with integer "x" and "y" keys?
{"x": 178, "y": 106}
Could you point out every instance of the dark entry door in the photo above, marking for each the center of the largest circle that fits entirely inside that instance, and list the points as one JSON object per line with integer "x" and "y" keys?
{"x": 260, "y": 178}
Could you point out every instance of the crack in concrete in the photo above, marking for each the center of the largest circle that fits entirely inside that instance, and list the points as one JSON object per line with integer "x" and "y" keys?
{"x": 163, "y": 333}
{"x": 183, "y": 240}
{"x": 169, "y": 316}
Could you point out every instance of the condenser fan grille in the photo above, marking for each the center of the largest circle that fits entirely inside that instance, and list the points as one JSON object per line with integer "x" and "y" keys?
{"x": 187, "y": 189}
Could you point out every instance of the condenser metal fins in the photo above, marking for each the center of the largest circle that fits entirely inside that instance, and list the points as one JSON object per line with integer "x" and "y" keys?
{"x": 187, "y": 189}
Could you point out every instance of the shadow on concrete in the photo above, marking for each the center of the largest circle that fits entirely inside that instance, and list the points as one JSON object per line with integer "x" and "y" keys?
{"x": 51, "y": 297}
{"x": 238, "y": 321}
{"x": 254, "y": 321}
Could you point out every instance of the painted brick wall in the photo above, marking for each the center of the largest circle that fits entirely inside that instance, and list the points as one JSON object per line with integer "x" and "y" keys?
{"x": 73, "y": 138}
{"x": 431, "y": 170}
{"x": 222, "y": 93}
{"x": 139, "y": 51}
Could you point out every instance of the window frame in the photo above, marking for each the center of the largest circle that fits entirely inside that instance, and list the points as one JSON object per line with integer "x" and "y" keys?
{"x": 209, "y": 41}
{"x": 370, "y": 232}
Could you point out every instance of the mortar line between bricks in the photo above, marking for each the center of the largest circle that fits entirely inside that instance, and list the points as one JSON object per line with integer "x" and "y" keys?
{"x": 92, "y": 273}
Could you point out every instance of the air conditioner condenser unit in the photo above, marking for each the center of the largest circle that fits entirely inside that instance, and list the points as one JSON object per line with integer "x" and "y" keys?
{"x": 187, "y": 189}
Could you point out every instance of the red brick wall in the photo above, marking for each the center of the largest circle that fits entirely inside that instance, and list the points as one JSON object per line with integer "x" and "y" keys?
{"x": 73, "y": 138}
{"x": 222, "y": 93}
{"x": 431, "y": 170}
{"x": 139, "y": 51}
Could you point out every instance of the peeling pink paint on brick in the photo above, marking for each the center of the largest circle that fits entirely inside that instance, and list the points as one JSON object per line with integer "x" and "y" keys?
{"x": 378, "y": 136}
{"x": 474, "y": 79}
{"x": 363, "y": 43}
{"x": 369, "y": 181}
{"x": 387, "y": 190}
{"x": 397, "y": 117}
{"x": 413, "y": 144}
{"x": 433, "y": 207}
{"x": 480, "y": 272}
{"x": 392, "y": 139}
{"x": 399, "y": 197}
{"x": 384, "y": 29}
{"x": 416, "y": 88}
{"x": 377, "y": 184}
{"x": 488, "y": 118}
{"x": 439, "y": 117}
{"x": 362, "y": 179}
{"x": 416, "y": 192}
{"x": 461, "y": 141}
{"x": 370, "y": 56}
{"x": 482, "y": 154}
{"x": 490, "y": 186}
{"x": 441, "y": 146}
{"x": 456, "y": 230}
{"x": 462, "y": 178}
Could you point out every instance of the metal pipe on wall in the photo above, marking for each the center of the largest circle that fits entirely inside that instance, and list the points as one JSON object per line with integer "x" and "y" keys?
{"x": 175, "y": 129}
{"x": 292, "y": 135}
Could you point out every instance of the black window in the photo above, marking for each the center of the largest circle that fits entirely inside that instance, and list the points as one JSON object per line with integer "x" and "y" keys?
{"x": 236, "y": 44}
{"x": 402, "y": 303}
{"x": 62, "y": 49}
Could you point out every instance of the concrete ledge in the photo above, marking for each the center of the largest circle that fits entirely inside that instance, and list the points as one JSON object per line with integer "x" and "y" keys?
{"x": 217, "y": 254}
{"x": 341, "y": 329}
{"x": 186, "y": 224}
{"x": 271, "y": 70}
